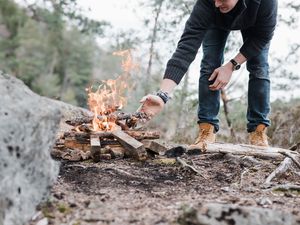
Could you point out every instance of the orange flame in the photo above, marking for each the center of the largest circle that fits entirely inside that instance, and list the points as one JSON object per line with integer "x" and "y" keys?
{"x": 109, "y": 97}
{"x": 127, "y": 62}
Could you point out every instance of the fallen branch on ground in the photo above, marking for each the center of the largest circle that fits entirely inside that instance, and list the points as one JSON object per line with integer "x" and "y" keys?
{"x": 292, "y": 157}
{"x": 251, "y": 150}
{"x": 281, "y": 169}
{"x": 184, "y": 164}
{"x": 286, "y": 187}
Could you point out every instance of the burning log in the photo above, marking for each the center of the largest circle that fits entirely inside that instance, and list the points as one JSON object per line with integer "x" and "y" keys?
{"x": 131, "y": 118}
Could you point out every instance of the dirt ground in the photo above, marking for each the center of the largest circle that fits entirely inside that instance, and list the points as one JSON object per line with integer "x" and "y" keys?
{"x": 155, "y": 192}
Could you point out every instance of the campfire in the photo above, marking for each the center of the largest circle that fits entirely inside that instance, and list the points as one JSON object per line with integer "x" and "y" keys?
{"x": 108, "y": 132}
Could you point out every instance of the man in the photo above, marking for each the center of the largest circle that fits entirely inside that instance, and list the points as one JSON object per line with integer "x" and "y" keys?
{"x": 209, "y": 24}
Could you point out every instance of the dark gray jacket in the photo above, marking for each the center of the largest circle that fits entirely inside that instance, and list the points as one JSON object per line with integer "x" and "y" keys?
{"x": 256, "y": 17}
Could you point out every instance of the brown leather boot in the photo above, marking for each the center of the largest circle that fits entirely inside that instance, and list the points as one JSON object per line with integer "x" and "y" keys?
{"x": 259, "y": 137}
{"x": 206, "y": 136}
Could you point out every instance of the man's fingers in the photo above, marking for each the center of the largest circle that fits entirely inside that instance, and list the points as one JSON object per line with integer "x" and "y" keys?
{"x": 213, "y": 75}
{"x": 219, "y": 86}
{"x": 215, "y": 84}
{"x": 144, "y": 99}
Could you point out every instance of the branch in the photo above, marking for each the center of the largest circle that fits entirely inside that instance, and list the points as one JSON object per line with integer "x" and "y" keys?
{"x": 281, "y": 169}
{"x": 184, "y": 164}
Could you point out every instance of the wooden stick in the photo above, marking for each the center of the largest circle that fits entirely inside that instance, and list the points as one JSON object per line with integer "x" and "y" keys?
{"x": 184, "y": 164}
{"x": 292, "y": 156}
{"x": 134, "y": 147}
{"x": 140, "y": 135}
{"x": 281, "y": 169}
{"x": 95, "y": 148}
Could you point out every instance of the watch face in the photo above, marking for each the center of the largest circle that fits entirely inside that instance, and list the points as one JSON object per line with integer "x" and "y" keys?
{"x": 237, "y": 67}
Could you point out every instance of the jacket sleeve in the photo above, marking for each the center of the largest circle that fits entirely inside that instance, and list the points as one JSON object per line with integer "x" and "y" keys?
{"x": 262, "y": 32}
{"x": 200, "y": 19}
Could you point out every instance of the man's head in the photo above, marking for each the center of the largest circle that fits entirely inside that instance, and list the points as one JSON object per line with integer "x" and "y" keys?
{"x": 225, "y": 6}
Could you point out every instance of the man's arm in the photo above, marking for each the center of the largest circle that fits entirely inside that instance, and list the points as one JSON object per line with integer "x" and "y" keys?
{"x": 223, "y": 74}
{"x": 187, "y": 48}
{"x": 262, "y": 32}
{"x": 199, "y": 21}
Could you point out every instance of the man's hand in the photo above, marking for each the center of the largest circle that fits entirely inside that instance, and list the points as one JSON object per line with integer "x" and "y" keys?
{"x": 151, "y": 105}
{"x": 221, "y": 76}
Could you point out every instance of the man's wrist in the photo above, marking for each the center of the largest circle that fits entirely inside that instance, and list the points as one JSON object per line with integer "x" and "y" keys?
{"x": 163, "y": 95}
{"x": 235, "y": 65}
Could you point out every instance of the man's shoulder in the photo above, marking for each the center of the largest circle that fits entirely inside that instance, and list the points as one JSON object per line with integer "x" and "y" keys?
{"x": 205, "y": 2}
{"x": 267, "y": 3}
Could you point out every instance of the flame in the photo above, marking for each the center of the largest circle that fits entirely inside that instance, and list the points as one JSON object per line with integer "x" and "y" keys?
{"x": 127, "y": 62}
{"x": 109, "y": 97}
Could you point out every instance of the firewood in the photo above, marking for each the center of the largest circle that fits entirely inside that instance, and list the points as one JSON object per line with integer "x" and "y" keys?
{"x": 95, "y": 148}
{"x": 105, "y": 150}
{"x": 154, "y": 146}
{"x": 120, "y": 116}
{"x": 74, "y": 144}
{"x": 84, "y": 139}
{"x": 79, "y": 136}
{"x": 79, "y": 120}
{"x": 134, "y": 147}
{"x": 87, "y": 128}
{"x": 105, "y": 156}
{"x": 117, "y": 152}
{"x": 140, "y": 135}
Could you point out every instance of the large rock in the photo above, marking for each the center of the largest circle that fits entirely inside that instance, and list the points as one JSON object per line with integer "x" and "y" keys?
{"x": 222, "y": 214}
{"x": 28, "y": 126}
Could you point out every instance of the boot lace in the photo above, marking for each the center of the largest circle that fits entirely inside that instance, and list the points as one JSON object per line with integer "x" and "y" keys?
{"x": 202, "y": 136}
{"x": 260, "y": 136}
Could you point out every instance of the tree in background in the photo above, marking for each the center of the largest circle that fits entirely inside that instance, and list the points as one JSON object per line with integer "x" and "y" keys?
{"x": 50, "y": 46}
{"x": 285, "y": 65}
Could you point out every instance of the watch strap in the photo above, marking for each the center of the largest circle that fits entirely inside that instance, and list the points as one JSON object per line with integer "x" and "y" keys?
{"x": 235, "y": 64}
{"x": 163, "y": 95}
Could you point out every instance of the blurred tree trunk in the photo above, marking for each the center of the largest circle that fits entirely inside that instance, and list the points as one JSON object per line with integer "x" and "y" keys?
{"x": 178, "y": 123}
{"x": 225, "y": 101}
{"x": 183, "y": 94}
{"x": 152, "y": 42}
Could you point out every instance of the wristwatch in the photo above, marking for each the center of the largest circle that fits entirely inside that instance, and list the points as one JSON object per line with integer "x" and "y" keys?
{"x": 163, "y": 95}
{"x": 235, "y": 64}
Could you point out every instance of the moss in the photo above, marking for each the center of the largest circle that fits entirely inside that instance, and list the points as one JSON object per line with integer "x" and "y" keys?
{"x": 62, "y": 208}
{"x": 76, "y": 223}
{"x": 47, "y": 210}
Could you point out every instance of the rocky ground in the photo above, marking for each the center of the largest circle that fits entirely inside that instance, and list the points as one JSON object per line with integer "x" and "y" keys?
{"x": 156, "y": 191}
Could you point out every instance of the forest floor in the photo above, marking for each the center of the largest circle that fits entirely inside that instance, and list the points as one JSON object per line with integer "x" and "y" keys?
{"x": 155, "y": 192}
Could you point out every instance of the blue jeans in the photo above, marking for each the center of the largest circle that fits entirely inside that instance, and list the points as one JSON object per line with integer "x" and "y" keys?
{"x": 258, "y": 85}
